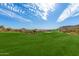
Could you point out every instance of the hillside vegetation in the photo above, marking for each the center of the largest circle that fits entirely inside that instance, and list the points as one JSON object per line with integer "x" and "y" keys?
{"x": 22, "y": 30}
{"x": 70, "y": 29}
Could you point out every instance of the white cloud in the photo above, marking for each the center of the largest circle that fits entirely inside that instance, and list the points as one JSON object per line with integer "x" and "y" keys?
{"x": 15, "y": 16}
{"x": 69, "y": 12}
{"x": 77, "y": 14}
{"x": 13, "y": 7}
{"x": 45, "y": 7}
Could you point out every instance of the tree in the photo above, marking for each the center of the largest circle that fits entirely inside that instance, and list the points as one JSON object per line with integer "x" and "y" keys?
{"x": 2, "y": 27}
{"x": 8, "y": 29}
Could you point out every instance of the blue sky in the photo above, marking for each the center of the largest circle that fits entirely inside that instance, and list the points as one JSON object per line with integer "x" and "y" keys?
{"x": 38, "y": 15}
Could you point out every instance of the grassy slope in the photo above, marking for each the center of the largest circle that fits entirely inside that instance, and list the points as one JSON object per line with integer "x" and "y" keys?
{"x": 55, "y": 43}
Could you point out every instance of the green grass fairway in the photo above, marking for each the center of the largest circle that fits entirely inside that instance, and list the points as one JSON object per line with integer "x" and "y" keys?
{"x": 39, "y": 44}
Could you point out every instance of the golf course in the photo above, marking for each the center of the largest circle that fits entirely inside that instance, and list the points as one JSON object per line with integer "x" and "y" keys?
{"x": 53, "y": 43}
